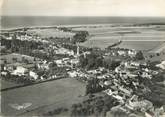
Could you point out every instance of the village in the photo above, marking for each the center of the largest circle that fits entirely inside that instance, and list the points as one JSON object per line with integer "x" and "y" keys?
{"x": 122, "y": 74}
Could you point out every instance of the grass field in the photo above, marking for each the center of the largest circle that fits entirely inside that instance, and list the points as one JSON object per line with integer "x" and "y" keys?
{"x": 58, "y": 93}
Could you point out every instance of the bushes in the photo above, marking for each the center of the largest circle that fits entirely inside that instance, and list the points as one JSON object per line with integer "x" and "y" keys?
{"x": 159, "y": 77}
{"x": 55, "y": 111}
{"x": 111, "y": 64}
{"x": 139, "y": 56}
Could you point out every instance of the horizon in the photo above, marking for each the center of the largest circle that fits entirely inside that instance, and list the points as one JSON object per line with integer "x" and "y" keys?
{"x": 82, "y": 16}
{"x": 91, "y": 8}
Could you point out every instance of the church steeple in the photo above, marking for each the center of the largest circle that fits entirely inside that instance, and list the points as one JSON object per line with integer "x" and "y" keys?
{"x": 78, "y": 50}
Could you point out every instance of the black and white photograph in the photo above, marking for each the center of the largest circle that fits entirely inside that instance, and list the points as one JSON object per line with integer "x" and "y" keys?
{"x": 82, "y": 58}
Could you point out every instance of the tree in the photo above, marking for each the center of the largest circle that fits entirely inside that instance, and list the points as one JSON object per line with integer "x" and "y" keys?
{"x": 160, "y": 77}
{"x": 111, "y": 64}
{"x": 80, "y": 36}
{"x": 115, "y": 64}
{"x": 139, "y": 55}
{"x": 158, "y": 54}
{"x": 14, "y": 59}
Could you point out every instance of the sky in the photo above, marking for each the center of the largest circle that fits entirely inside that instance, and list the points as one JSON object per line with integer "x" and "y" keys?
{"x": 153, "y": 8}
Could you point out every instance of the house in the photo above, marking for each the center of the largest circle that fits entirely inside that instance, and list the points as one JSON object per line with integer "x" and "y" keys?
{"x": 126, "y": 91}
{"x": 159, "y": 111}
{"x": 111, "y": 92}
{"x": 117, "y": 70}
{"x": 3, "y": 73}
{"x": 161, "y": 65}
{"x": 59, "y": 63}
{"x": 143, "y": 105}
{"x": 146, "y": 75}
{"x": 131, "y": 75}
{"x": 9, "y": 38}
{"x": 33, "y": 75}
{"x": 131, "y": 53}
{"x": 74, "y": 61}
{"x": 120, "y": 52}
{"x": 118, "y": 97}
{"x": 20, "y": 71}
{"x": 92, "y": 71}
{"x": 64, "y": 51}
{"x": 43, "y": 66}
{"x": 137, "y": 64}
{"x": 107, "y": 83}
{"x": 73, "y": 74}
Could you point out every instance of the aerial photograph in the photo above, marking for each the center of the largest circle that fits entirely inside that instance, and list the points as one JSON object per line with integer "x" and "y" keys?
{"x": 82, "y": 58}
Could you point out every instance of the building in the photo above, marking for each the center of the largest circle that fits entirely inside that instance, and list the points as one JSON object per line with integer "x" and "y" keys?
{"x": 20, "y": 71}
{"x": 126, "y": 91}
{"x": 161, "y": 65}
{"x": 73, "y": 74}
{"x": 131, "y": 53}
{"x": 64, "y": 51}
{"x": 143, "y": 105}
{"x": 121, "y": 52}
{"x": 33, "y": 75}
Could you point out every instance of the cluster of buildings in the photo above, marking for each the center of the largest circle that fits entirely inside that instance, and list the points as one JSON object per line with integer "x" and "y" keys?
{"x": 136, "y": 107}
{"x": 121, "y": 52}
{"x": 57, "y": 49}
{"x": 15, "y": 65}
{"x": 122, "y": 84}
{"x": 34, "y": 68}
{"x": 25, "y": 37}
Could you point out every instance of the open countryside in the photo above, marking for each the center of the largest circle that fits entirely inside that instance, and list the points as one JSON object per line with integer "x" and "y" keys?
{"x": 133, "y": 37}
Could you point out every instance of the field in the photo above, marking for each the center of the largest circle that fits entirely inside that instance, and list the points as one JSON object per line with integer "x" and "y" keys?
{"x": 133, "y": 37}
{"x": 7, "y": 84}
{"x": 51, "y": 33}
{"x": 44, "y": 96}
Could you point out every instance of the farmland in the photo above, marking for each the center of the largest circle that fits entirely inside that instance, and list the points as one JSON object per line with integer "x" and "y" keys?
{"x": 55, "y": 94}
{"x": 133, "y": 37}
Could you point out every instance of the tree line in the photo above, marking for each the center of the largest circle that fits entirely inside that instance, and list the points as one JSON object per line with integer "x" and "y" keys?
{"x": 94, "y": 106}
